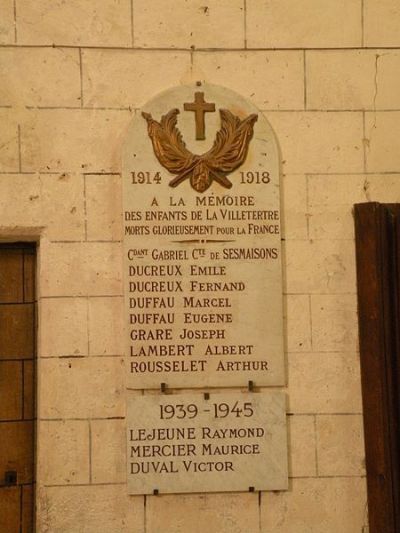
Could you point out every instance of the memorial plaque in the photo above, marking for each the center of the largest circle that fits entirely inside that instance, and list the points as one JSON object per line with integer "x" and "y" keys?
{"x": 202, "y": 244}
{"x": 191, "y": 443}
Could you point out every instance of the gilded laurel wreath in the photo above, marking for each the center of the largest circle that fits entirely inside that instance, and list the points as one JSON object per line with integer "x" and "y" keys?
{"x": 228, "y": 152}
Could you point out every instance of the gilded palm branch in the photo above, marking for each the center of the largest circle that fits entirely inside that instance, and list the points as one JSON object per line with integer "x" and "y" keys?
{"x": 228, "y": 152}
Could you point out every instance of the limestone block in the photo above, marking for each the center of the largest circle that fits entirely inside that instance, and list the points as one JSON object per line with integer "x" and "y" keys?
{"x": 298, "y": 323}
{"x": 106, "y": 326}
{"x": 334, "y": 319}
{"x": 324, "y": 383}
{"x": 53, "y": 202}
{"x": 89, "y": 509}
{"x": 68, "y": 140}
{"x": 320, "y": 266}
{"x": 189, "y": 24}
{"x": 108, "y": 451}
{"x": 23, "y": 206}
{"x": 353, "y": 79}
{"x": 277, "y": 77}
{"x": 213, "y": 513}
{"x": 129, "y": 78}
{"x": 387, "y": 79}
{"x": 40, "y": 77}
{"x": 342, "y": 79}
{"x": 331, "y": 200}
{"x": 381, "y": 22}
{"x": 340, "y": 445}
{"x": 304, "y": 23}
{"x": 319, "y": 142}
{"x": 63, "y": 327}
{"x": 63, "y": 452}
{"x": 382, "y": 132}
{"x": 294, "y": 194}
{"x": 103, "y": 207}
{"x": 302, "y": 443}
{"x": 382, "y": 188}
{"x": 81, "y": 387}
{"x": 62, "y": 206}
{"x": 7, "y": 26}
{"x": 325, "y": 505}
{"x": 77, "y": 23}
{"x": 82, "y": 269}
{"x": 9, "y": 151}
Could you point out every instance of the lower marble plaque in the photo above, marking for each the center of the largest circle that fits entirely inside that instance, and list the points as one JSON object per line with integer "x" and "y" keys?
{"x": 186, "y": 443}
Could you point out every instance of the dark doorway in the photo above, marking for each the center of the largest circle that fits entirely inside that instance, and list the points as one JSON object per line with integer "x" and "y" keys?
{"x": 378, "y": 285}
{"x": 17, "y": 386}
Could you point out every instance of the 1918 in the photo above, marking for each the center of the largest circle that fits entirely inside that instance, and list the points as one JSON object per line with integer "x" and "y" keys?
{"x": 256, "y": 178}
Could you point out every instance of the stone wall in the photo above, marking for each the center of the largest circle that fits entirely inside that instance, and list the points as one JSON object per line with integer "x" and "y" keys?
{"x": 326, "y": 74}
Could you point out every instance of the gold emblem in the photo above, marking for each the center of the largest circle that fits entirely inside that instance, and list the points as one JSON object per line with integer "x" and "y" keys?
{"x": 228, "y": 152}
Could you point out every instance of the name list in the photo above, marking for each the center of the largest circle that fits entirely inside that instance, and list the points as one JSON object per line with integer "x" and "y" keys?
{"x": 198, "y": 306}
{"x": 189, "y": 443}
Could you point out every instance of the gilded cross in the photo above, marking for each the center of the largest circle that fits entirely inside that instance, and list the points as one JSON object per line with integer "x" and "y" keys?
{"x": 200, "y": 107}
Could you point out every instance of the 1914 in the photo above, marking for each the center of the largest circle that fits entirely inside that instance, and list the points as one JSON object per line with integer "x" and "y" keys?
{"x": 145, "y": 178}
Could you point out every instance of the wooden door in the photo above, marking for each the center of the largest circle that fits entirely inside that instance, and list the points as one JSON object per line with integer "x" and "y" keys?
{"x": 378, "y": 281}
{"x": 17, "y": 387}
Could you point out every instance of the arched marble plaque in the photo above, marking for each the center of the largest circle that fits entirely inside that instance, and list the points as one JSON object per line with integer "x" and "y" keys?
{"x": 202, "y": 243}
